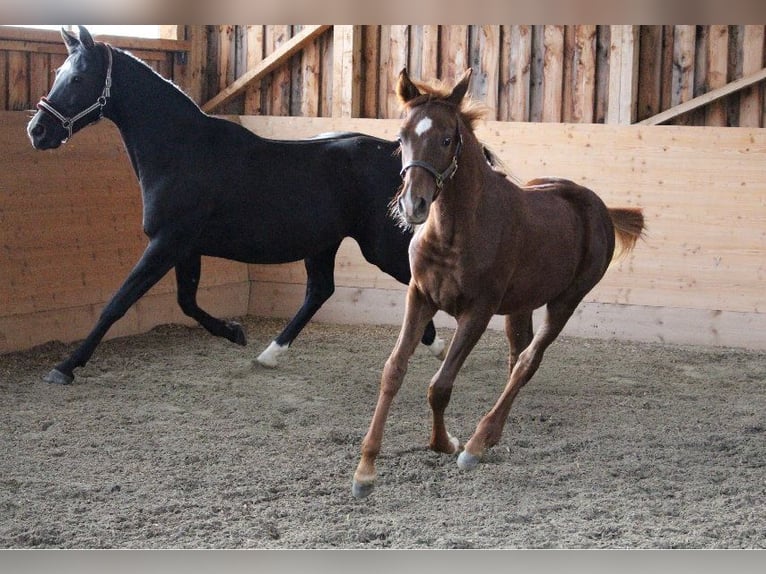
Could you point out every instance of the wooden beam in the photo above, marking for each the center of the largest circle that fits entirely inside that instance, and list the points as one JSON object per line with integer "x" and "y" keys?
{"x": 705, "y": 99}
{"x": 268, "y": 64}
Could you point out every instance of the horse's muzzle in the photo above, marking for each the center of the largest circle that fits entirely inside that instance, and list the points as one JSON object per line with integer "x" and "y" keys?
{"x": 44, "y": 136}
{"x": 413, "y": 210}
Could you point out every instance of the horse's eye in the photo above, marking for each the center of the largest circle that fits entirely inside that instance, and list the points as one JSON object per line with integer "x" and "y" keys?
{"x": 76, "y": 79}
{"x": 446, "y": 142}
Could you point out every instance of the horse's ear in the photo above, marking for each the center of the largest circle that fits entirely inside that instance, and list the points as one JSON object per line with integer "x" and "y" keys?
{"x": 85, "y": 38}
{"x": 71, "y": 41}
{"x": 405, "y": 89}
{"x": 460, "y": 89}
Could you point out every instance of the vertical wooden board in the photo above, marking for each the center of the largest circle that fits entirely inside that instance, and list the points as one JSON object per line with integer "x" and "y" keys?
{"x": 326, "y": 59}
{"x": 3, "y": 81}
{"x": 371, "y": 65}
{"x": 253, "y": 56}
{"x": 751, "y": 99}
{"x": 40, "y": 76}
{"x": 429, "y": 65}
{"x": 225, "y": 56}
{"x": 454, "y": 53}
{"x": 415, "y": 52}
{"x": 603, "y": 41}
{"x": 197, "y": 66}
{"x": 398, "y": 41}
{"x": 568, "y": 75}
{"x": 383, "y": 73}
{"x": 553, "y": 72}
{"x": 583, "y": 78}
{"x": 346, "y": 71}
{"x": 486, "y": 66}
{"x": 18, "y": 81}
{"x": 623, "y": 75}
{"x": 666, "y": 75}
{"x": 536, "y": 74}
{"x": 521, "y": 68}
{"x": 279, "y": 95}
{"x": 310, "y": 72}
{"x": 717, "y": 67}
{"x": 684, "y": 42}
{"x": 649, "y": 72}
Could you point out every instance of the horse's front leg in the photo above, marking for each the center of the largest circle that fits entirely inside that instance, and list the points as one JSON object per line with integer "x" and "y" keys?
{"x": 470, "y": 328}
{"x": 187, "y": 279}
{"x": 418, "y": 313}
{"x": 158, "y": 258}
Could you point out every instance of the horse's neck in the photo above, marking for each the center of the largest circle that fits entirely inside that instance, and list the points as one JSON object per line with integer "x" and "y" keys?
{"x": 145, "y": 106}
{"x": 455, "y": 210}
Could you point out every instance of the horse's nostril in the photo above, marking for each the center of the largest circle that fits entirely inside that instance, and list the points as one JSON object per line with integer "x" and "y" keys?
{"x": 420, "y": 206}
{"x": 37, "y": 130}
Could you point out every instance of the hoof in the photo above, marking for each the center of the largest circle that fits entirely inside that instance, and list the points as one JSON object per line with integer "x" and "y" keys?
{"x": 438, "y": 348}
{"x": 237, "y": 334}
{"x": 362, "y": 489}
{"x": 269, "y": 356}
{"x": 467, "y": 461}
{"x": 56, "y": 377}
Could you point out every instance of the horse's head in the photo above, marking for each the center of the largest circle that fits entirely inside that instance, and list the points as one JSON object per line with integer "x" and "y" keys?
{"x": 431, "y": 140}
{"x": 78, "y": 95}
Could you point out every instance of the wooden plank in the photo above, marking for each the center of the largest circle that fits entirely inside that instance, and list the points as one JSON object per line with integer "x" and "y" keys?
{"x": 311, "y": 66}
{"x": 520, "y": 66}
{"x": 454, "y": 53}
{"x": 3, "y": 81}
{"x": 486, "y": 80}
{"x": 705, "y": 99}
{"x": 225, "y": 55}
{"x": 18, "y": 81}
{"x": 346, "y": 71}
{"x": 370, "y": 64}
{"x": 751, "y": 99}
{"x": 649, "y": 71}
{"x": 267, "y": 65}
{"x": 429, "y": 61}
{"x": 553, "y": 73}
{"x": 197, "y": 58}
{"x": 666, "y": 82}
{"x": 623, "y": 75}
{"x": 254, "y": 37}
{"x": 603, "y": 40}
{"x": 279, "y": 93}
{"x": 684, "y": 41}
{"x": 717, "y": 66}
{"x": 583, "y": 80}
{"x": 398, "y": 47}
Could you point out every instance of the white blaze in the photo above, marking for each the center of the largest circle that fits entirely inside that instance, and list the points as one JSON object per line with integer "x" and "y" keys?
{"x": 423, "y": 126}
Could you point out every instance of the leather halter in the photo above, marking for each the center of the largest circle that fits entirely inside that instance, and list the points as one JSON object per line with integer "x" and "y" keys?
{"x": 440, "y": 176}
{"x": 45, "y": 105}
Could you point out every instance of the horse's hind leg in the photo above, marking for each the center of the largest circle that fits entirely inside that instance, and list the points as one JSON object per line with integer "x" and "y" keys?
{"x": 187, "y": 278}
{"x": 490, "y": 428}
{"x": 320, "y": 285}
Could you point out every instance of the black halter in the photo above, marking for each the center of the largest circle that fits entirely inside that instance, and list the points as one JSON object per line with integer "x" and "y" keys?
{"x": 68, "y": 123}
{"x": 439, "y": 176}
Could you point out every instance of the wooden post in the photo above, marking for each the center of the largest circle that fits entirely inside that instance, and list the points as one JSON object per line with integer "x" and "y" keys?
{"x": 347, "y": 58}
{"x": 623, "y": 75}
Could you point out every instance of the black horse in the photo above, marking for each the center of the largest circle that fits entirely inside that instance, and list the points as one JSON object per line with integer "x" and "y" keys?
{"x": 212, "y": 187}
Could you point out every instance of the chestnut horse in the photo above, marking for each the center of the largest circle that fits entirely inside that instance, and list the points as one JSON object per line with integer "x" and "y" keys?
{"x": 485, "y": 247}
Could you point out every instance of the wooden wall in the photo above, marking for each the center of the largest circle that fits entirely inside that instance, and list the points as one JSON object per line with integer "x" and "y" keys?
{"x": 545, "y": 73}
{"x": 29, "y": 58}
{"x": 70, "y": 230}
